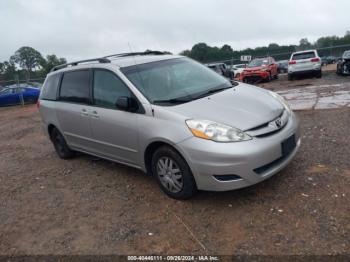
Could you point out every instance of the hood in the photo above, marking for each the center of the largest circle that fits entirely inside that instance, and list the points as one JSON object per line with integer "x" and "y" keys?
{"x": 243, "y": 107}
{"x": 256, "y": 68}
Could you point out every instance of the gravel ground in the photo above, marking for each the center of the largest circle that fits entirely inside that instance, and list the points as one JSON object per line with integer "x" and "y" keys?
{"x": 92, "y": 206}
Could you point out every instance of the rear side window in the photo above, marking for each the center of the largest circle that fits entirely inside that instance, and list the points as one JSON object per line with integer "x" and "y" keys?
{"x": 305, "y": 55}
{"x": 75, "y": 86}
{"x": 108, "y": 88}
{"x": 49, "y": 90}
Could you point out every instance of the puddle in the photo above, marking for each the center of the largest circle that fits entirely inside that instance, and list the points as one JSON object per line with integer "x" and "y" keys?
{"x": 315, "y": 97}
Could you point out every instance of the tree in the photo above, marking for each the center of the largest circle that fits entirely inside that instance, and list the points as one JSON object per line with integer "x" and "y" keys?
{"x": 50, "y": 62}
{"x": 304, "y": 44}
{"x": 2, "y": 68}
{"x": 8, "y": 70}
{"x": 28, "y": 58}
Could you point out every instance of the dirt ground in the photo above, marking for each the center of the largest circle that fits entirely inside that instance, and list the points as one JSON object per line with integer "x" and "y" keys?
{"x": 92, "y": 206}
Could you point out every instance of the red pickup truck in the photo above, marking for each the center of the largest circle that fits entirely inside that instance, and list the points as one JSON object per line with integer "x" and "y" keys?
{"x": 260, "y": 69}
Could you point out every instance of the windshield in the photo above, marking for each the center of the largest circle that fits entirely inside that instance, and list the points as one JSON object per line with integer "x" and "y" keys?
{"x": 174, "y": 79}
{"x": 258, "y": 62}
{"x": 240, "y": 66}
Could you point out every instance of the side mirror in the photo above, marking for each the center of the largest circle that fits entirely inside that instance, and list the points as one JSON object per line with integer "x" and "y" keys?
{"x": 127, "y": 104}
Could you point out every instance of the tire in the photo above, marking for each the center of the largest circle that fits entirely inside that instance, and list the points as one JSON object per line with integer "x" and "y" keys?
{"x": 269, "y": 78}
{"x": 319, "y": 74}
{"x": 290, "y": 77}
{"x": 173, "y": 174}
{"x": 61, "y": 147}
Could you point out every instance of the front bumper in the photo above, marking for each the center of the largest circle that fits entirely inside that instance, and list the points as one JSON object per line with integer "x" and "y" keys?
{"x": 254, "y": 75}
{"x": 208, "y": 159}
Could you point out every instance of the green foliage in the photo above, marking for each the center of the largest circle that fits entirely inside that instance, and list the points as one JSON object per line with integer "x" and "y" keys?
{"x": 204, "y": 53}
{"x": 31, "y": 65}
{"x": 27, "y": 58}
{"x": 50, "y": 62}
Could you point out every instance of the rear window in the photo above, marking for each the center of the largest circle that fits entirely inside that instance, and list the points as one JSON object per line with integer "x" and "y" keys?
{"x": 75, "y": 86}
{"x": 49, "y": 90}
{"x": 305, "y": 55}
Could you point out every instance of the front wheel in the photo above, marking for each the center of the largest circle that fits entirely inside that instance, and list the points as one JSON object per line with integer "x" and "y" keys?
{"x": 61, "y": 147}
{"x": 173, "y": 174}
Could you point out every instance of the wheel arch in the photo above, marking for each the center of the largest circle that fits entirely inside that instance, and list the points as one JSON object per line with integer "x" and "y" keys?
{"x": 151, "y": 148}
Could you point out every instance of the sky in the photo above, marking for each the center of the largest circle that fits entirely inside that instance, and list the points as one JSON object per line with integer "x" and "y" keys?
{"x": 80, "y": 29}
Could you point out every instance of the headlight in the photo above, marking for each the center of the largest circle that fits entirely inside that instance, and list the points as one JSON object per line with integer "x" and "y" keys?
{"x": 214, "y": 131}
{"x": 281, "y": 100}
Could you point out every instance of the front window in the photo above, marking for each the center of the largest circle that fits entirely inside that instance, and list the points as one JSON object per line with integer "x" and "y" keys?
{"x": 258, "y": 62}
{"x": 108, "y": 88}
{"x": 174, "y": 79}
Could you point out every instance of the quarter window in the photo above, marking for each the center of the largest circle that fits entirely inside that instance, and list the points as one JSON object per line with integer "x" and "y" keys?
{"x": 49, "y": 91}
{"x": 108, "y": 88}
{"x": 75, "y": 86}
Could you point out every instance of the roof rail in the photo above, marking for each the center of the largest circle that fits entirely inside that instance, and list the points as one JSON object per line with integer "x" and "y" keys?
{"x": 100, "y": 60}
{"x": 149, "y": 52}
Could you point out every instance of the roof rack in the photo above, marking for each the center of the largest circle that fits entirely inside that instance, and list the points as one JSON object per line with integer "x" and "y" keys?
{"x": 106, "y": 60}
{"x": 100, "y": 60}
{"x": 149, "y": 52}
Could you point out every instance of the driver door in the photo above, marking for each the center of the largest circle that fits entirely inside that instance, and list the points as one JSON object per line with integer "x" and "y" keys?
{"x": 115, "y": 132}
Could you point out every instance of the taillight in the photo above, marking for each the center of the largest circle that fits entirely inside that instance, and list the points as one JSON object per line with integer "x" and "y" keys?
{"x": 38, "y": 103}
{"x": 292, "y": 62}
{"x": 316, "y": 59}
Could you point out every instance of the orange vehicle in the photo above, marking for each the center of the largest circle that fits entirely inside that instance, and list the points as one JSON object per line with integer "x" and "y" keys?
{"x": 260, "y": 69}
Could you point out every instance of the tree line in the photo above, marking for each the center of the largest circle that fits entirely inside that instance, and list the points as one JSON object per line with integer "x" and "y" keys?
{"x": 28, "y": 63}
{"x": 205, "y": 53}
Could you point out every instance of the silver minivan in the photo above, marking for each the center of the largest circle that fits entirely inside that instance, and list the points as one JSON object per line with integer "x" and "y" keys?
{"x": 171, "y": 117}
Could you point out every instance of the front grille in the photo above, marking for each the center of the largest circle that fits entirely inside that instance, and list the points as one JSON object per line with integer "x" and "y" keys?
{"x": 269, "y": 128}
{"x": 252, "y": 79}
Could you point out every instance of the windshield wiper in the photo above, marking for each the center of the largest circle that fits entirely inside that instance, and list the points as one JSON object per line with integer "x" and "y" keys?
{"x": 212, "y": 91}
{"x": 173, "y": 101}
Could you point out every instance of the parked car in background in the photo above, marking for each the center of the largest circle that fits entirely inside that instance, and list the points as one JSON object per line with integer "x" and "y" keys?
{"x": 331, "y": 60}
{"x": 343, "y": 65}
{"x": 238, "y": 69}
{"x": 221, "y": 69}
{"x": 18, "y": 95}
{"x": 260, "y": 69}
{"x": 171, "y": 117}
{"x": 282, "y": 66}
{"x": 304, "y": 63}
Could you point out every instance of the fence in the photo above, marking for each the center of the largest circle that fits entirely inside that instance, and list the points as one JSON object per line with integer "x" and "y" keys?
{"x": 37, "y": 82}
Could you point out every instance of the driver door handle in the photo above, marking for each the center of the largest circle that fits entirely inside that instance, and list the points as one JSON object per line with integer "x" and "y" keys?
{"x": 84, "y": 112}
{"x": 94, "y": 114}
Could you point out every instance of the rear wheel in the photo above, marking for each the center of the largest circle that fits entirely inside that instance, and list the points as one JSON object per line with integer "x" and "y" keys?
{"x": 173, "y": 174}
{"x": 290, "y": 77}
{"x": 319, "y": 74}
{"x": 61, "y": 147}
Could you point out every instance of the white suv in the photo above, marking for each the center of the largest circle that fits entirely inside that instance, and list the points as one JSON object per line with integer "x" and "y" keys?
{"x": 303, "y": 63}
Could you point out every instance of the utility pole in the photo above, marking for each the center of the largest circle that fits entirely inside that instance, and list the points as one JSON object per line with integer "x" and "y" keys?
{"x": 20, "y": 94}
